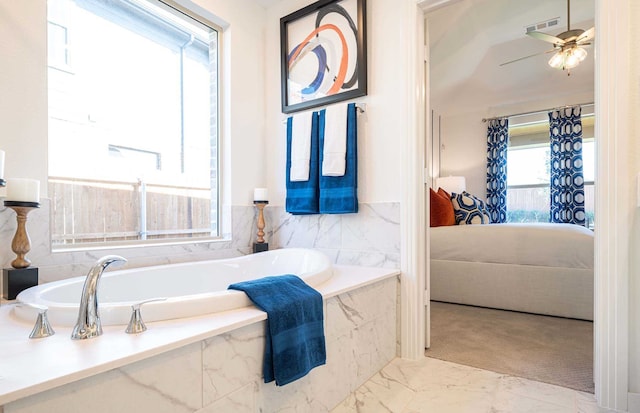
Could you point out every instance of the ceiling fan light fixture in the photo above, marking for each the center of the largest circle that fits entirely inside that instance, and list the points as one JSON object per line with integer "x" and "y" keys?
{"x": 566, "y": 45}
{"x": 571, "y": 60}
{"x": 557, "y": 60}
{"x": 580, "y": 53}
{"x": 568, "y": 58}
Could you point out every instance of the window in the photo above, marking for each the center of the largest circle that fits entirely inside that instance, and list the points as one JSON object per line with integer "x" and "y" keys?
{"x": 133, "y": 122}
{"x": 528, "y": 168}
{"x": 57, "y": 45}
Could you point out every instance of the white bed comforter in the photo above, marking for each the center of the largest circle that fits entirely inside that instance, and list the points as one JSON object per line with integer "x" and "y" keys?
{"x": 550, "y": 245}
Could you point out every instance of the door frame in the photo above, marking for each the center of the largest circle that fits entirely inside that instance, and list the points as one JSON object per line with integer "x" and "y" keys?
{"x": 613, "y": 204}
{"x": 413, "y": 208}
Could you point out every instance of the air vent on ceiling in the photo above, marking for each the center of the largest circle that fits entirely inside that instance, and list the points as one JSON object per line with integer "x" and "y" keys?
{"x": 541, "y": 26}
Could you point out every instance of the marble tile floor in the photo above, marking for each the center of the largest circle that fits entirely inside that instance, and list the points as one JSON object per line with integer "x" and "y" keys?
{"x": 436, "y": 386}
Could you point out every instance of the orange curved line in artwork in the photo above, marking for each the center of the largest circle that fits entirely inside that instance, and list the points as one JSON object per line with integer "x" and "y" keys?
{"x": 342, "y": 72}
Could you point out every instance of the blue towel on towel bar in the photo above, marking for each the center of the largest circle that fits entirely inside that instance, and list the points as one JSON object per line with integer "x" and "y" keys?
{"x": 302, "y": 196}
{"x": 295, "y": 332}
{"x": 339, "y": 194}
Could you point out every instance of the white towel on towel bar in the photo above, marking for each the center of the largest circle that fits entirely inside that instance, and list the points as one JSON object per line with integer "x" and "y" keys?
{"x": 300, "y": 147}
{"x": 334, "y": 151}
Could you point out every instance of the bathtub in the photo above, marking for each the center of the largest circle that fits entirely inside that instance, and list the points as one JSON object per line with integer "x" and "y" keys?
{"x": 190, "y": 289}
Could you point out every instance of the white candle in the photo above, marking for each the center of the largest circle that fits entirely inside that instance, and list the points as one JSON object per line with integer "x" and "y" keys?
{"x": 260, "y": 194}
{"x": 1, "y": 164}
{"x": 23, "y": 190}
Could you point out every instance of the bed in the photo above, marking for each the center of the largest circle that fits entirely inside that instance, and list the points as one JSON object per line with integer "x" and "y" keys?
{"x": 535, "y": 268}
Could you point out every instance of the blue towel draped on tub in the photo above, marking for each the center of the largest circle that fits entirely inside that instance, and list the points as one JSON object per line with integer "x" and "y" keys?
{"x": 295, "y": 333}
{"x": 339, "y": 194}
{"x": 302, "y": 196}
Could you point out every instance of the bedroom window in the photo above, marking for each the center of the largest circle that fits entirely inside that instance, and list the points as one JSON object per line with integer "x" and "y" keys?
{"x": 133, "y": 123}
{"x": 528, "y": 166}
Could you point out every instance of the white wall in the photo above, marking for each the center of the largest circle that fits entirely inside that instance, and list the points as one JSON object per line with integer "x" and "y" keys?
{"x": 463, "y": 149}
{"x": 23, "y": 89}
{"x": 380, "y": 129}
{"x": 243, "y": 161}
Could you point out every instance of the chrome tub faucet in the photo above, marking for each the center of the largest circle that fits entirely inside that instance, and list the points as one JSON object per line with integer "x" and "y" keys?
{"x": 88, "y": 324}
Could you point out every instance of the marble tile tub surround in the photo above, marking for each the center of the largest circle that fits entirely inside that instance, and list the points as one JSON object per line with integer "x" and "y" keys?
{"x": 223, "y": 373}
{"x": 431, "y": 385}
{"x": 369, "y": 238}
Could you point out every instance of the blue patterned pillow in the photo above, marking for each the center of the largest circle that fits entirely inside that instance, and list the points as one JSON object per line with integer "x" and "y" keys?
{"x": 469, "y": 209}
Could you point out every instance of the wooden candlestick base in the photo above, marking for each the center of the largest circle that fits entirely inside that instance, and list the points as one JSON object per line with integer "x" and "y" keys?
{"x": 21, "y": 243}
{"x": 260, "y": 245}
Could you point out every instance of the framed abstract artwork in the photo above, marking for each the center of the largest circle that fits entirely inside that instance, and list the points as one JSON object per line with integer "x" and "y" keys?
{"x": 323, "y": 54}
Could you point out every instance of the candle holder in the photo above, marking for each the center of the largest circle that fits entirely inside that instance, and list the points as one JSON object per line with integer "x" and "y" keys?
{"x": 21, "y": 276}
{"x": 21, "y": 243}
{"x": 260, "y": 245}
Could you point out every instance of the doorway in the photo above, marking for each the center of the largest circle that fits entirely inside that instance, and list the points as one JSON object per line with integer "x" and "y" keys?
{"x": 611, "y": 301}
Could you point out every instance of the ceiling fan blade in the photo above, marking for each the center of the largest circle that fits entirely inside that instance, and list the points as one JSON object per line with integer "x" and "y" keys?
{"x": 526, "y": 57}
{"x": 586, "y": 36}
{"x": 546, "y": 37}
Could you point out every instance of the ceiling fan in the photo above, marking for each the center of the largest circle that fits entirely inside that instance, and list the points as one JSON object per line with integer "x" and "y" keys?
{"x": 568, "y": 45}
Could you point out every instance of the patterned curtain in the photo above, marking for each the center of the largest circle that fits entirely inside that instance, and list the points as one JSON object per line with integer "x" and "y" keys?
{"x": 566, "y": 180}
{"x": 497, "y": 143}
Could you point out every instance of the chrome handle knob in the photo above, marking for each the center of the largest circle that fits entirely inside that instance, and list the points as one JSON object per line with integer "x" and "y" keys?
{"x": 42, "y": 328}
{"x": 136, "y": 324}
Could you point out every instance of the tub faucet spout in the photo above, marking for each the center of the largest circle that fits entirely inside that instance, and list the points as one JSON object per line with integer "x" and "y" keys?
{"x": 88, "y": 324}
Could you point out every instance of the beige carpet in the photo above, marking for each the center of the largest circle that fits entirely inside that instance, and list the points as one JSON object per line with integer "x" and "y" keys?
{"x": 548, "y": 349}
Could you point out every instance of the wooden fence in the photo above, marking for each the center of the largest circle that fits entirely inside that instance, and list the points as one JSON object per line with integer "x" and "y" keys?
{"x": 536, "y": 201}
{"x": 538, "y": 198}
{"x": 90, "y": 211}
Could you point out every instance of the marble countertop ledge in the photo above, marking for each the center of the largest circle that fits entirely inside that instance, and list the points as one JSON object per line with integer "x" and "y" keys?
{"x": 28, "y": 367}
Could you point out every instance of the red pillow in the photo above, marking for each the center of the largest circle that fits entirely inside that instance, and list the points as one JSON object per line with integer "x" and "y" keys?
{"x": 445, "y": 194}
{"x": 442, "y": 213}
{"x": 451, "y": 219}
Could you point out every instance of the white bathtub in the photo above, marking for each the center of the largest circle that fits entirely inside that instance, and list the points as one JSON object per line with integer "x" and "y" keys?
{"x": 191, "y": 289}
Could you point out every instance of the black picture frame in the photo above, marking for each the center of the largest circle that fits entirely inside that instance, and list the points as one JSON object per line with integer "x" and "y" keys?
{"x": 309, "y": 77}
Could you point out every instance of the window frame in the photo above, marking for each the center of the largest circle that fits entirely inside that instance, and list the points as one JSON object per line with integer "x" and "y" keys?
{"x": 195, "y": 13}
{"x": 545, "y": 184}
